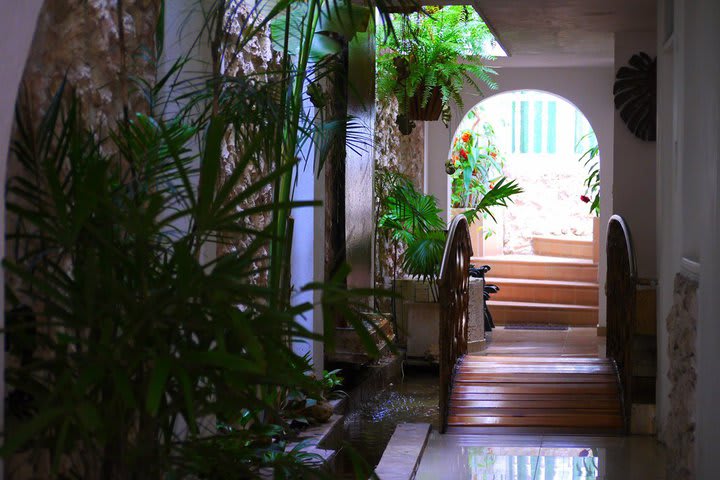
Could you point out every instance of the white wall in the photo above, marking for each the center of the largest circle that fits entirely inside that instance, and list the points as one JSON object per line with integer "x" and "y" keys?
{"x": 668, "y": 208}
{"x": 307, "y": 256}
{"x": 17, "y": 27}
{"x": 634, "y": 172}
{"x": 588, "y": 88}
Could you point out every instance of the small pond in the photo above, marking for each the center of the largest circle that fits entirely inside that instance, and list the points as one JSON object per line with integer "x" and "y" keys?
{"x": 368, "y": 429}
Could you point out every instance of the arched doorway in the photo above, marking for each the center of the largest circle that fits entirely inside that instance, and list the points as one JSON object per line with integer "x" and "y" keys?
{"x": 585, "y": 88}
{"x": 544, "y": 247}
{"x": 548, "y": 147}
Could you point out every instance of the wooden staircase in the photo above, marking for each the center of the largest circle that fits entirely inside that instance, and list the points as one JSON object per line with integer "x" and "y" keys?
{"x": 497, "y": 394}
{"x": 543, "y": 289}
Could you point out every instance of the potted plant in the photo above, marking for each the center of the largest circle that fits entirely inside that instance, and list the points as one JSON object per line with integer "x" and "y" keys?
{"x": 477, "y": 181}
{"x": 428, "y": 60}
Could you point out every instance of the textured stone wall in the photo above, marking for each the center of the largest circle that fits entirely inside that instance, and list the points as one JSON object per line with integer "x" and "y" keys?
{"x": 679, "y": 434}
{"x": 403, "y": 154}
{"x": 255, "y": 59}
{"x": 81, "y": 40}
{"x": 550, "y": 204}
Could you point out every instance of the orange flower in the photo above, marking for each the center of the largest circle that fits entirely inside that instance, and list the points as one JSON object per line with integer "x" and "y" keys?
{"x": 493, "y": 155}
{"x": 466, "y": 137}
{"x": 492, "y": 185}
{"x": 463, "y": 153}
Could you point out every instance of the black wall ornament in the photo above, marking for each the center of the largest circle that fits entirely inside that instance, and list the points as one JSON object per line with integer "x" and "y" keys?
{"x": 635, "y": 93}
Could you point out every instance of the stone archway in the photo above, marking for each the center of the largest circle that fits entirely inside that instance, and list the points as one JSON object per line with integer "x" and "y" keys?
{"x": 588, "y": 88}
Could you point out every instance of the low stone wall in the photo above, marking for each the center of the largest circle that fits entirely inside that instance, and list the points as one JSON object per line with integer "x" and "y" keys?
{"x": 418, "y": 317}
{"x": 679, "y": 434}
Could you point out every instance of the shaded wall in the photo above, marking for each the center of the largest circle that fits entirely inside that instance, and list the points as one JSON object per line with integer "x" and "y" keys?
{"x": 634, "y": 172}
{"x": 689, "y": 208}
{"x": 18, "y": 29}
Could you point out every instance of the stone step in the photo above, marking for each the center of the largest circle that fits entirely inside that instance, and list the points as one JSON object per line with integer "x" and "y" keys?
{"x": 545, "y": 291}
{"x": 573, "y": 247}
{"x": 506, "y": 313}
{"x": 540, "y": 267}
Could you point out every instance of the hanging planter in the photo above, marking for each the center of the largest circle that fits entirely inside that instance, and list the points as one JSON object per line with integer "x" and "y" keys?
{"x": 442, "y": 47}
{"x": 431, "y": 110}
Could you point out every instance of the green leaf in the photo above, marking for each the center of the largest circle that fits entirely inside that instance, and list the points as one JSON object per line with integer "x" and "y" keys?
{"x": 22, "y": 434}
{"x": 156, "y": 385}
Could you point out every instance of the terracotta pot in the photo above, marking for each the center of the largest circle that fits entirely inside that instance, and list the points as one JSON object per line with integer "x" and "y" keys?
{"x": 431, "y": 111}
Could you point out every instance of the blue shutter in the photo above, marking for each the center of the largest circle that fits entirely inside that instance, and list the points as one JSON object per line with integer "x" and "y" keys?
{"x": 552, "y": 128}
{"x": 514, "y": 126}
{"x": 524, "y": 126}
{"x": 537, "y": 127}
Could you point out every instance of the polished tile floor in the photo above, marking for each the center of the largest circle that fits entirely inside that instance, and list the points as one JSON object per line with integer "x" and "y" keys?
{"x": 541, "y": 457}
{"x": 573, "y": 342}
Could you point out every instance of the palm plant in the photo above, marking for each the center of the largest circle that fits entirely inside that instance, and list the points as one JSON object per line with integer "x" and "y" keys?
{"x": 413, "y": 219}
{"x": 438, "y": 50}
{"x": 136, "y": 356}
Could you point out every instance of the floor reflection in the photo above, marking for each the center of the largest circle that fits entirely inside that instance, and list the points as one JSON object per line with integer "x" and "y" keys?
{"x": 541, "y": 457}
{"x": 512, "y": 463}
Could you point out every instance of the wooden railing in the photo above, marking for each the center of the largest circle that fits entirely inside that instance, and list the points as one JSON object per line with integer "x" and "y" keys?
{"x": 621, "y": 291}
{"x": 454, "y": 285}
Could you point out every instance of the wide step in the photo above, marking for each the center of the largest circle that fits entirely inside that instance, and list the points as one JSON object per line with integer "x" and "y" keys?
{"x": 545, "y": 291}
{"x": 540, "y": 267}
{"x": 508, "y": 313}
{"x": 562, "y": 247}
{"x": 526, "y": 394}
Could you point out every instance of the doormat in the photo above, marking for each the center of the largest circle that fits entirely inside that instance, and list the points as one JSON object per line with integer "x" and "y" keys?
{"x": 534, "y": 326}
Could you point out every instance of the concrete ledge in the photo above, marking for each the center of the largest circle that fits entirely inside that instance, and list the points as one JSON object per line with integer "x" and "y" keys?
{"x": 326, "y": 435}
{"x": 401, "y": 458}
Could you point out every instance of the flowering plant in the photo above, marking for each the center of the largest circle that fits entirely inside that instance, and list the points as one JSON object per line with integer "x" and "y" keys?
{"x": 591, "y": 161}
{"x": 475, "y": 165}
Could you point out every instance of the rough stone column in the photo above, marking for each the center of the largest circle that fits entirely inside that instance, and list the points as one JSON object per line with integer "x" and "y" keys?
{"x": 679, "y": 434}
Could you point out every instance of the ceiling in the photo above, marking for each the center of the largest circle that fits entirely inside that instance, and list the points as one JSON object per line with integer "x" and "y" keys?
{"x": 561, "y": 32}
{"x": 564, "y": 31}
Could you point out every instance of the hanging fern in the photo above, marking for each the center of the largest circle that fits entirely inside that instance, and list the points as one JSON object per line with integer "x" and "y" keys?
{"x": 436, "y": 48}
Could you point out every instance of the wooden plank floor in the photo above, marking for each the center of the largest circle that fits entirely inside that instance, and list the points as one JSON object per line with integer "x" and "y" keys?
{"x": 529, "y": 394}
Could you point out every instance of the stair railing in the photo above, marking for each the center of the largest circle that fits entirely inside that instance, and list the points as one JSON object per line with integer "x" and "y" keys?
{"x": 621, "y": 291}
{"x": 454, "y": 286}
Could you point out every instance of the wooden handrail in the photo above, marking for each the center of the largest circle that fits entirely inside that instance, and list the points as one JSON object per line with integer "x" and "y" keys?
{"x": 454, "y": 286}
{"x": 621, "y": 292}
